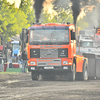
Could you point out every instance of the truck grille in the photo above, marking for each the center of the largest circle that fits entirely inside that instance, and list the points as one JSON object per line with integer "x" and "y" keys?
{"x": 49, "y": 53}
{"x": 49, "y": 62}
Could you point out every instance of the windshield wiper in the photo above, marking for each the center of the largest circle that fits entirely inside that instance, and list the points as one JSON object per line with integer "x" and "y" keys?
{"x": 35, "y": 43}
{"x": 47, "y": 43}
{"x": 61, "y": 43}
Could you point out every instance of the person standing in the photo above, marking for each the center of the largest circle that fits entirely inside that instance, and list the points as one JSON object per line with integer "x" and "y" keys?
{"x": 10, "y": 64}
{"x": 24, "y": 60}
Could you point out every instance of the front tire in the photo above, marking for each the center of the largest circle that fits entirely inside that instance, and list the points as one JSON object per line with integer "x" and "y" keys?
{"x": 34, "y": 76}
{"x": 84, "y": 75}
{"x": 71, "y": 74}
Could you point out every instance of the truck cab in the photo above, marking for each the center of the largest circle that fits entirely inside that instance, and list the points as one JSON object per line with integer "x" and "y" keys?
{"x": 52, "y": 50}
{"x": 97, "y": 37}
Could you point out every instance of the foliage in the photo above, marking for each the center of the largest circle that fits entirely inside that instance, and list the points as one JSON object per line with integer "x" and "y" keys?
{"x": 82, "y": 24}
{"x": 61, "y": 16}
{"x": 26, "y": 7}
{"x": 13, "y": 19}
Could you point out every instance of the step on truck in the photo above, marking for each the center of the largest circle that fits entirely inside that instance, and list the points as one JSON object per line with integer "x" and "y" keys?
{"x": 51, "y": 50}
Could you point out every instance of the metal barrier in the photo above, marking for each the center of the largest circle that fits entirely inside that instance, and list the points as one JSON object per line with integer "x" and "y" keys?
{"x": 93, "y": 65}
{"x": 98, "y": 66}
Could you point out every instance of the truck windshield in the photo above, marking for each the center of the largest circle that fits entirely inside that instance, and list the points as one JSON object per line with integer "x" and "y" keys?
{"x": 86, "y": 44}
{"x": 16, "y": 46}
{"x": 39, "y": 37}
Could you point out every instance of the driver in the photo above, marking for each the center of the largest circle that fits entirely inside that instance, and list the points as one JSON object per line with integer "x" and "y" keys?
{"x": 45, "y": 38}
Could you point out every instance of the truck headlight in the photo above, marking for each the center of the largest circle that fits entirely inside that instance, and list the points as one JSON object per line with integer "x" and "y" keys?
{"x": 65, "y": 62}
{"x": 32, "y": 63}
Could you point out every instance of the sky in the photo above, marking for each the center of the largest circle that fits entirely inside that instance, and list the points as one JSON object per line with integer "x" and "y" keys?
{"x": 17, "y": 2}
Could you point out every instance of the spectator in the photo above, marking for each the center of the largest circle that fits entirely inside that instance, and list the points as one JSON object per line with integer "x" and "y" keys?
{"x": 10, "y": 64}
{"x": 24, "y": 60}
{"x": 19, "y": 59}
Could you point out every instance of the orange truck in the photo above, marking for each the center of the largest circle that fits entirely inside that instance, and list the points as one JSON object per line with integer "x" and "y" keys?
{"x": 52, "y": 51}
{"x": 97, "y": 37}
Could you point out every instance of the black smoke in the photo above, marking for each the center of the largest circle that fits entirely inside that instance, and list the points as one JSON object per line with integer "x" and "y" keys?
{"x": 77, "y": 4}
{"x": 89, "y": 2}
{"x": 76, "y": 9}
{"x": 38, "y": 6}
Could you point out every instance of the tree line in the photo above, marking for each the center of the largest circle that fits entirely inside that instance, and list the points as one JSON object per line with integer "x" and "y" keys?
{"x": 13, "y": 19}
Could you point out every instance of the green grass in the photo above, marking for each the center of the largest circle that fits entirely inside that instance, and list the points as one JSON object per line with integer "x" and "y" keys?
{"x": 8, "y": 72}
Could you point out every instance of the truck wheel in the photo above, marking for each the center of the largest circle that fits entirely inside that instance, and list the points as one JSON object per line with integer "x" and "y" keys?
{"x": 85, "y": 72}
{"x": 84, "y": 75}
{"x": 34, "y": 76}
{"x": 71, "y": 74}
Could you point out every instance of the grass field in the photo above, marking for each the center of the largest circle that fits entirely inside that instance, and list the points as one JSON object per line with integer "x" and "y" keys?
{"x": 8, "y": 72}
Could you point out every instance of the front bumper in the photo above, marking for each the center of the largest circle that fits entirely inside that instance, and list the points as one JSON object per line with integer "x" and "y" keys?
{"x": 46, "y": 69}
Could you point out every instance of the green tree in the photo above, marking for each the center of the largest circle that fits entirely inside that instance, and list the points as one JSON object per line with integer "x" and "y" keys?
{"x": 61, "y": 16}
{"x": 7, "y": 18}
{"x": 12, "y": 20}
{"x": 48, "y": 18}
{"x": 82, "y": 24}
{"x": 21, "y": 21}
{"x": 27, "y": 7}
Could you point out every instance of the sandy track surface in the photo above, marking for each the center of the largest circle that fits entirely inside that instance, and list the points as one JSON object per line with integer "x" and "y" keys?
{"x": 21, "y": 87}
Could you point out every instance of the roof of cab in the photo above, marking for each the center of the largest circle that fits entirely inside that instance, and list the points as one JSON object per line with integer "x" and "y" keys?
{"x": 50, "y": 26}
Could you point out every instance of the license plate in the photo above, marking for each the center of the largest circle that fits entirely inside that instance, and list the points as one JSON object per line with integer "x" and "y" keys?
{"x": 48, "y": 67}
{"x": 32, "y": 68}
{"x": 65, "y": 67}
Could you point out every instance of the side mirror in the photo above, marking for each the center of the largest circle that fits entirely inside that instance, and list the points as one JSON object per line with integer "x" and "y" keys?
{"x": 27, "y": 39}
{"x": 26, "y": 31}
{"x": 73, "y": 36}
{"x": 19, "y": 42}
{"x": 20, "y": 36}
{"x": 26, "y": 36}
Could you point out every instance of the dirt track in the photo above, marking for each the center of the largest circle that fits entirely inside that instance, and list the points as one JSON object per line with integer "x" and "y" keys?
{"x": 21, "y": 87}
